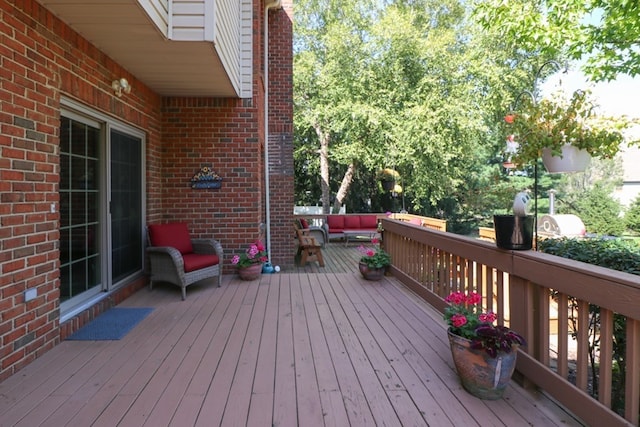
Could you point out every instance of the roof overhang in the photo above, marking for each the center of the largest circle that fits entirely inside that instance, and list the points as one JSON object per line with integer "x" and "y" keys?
{"x": 125, "y": 32}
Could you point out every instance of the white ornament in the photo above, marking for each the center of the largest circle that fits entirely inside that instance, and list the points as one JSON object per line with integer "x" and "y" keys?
{"x": 520, "y": 204}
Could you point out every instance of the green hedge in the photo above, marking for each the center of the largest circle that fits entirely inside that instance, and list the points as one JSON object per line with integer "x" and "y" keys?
{"x": 615, "y": 254}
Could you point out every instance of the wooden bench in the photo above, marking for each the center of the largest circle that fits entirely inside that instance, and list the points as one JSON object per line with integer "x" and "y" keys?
{"x": 308, "y": 248}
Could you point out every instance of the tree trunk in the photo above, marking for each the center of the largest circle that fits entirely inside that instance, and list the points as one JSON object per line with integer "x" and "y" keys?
{"x": 324, "y": 169}
{"x": 344, "y": 187}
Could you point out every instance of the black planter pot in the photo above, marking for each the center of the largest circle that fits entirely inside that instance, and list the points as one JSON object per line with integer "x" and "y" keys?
{"x": 388, "y": 185}
{"x": 514, "y": 232}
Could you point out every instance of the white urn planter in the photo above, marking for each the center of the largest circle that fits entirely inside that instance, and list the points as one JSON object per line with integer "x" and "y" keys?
{"x": 572, "y": 160}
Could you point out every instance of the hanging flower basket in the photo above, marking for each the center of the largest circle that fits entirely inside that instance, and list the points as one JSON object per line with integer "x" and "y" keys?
{"x": 572, "y": 159}
{"x": 387, "y": 178}
{"x": 549, "y": 125}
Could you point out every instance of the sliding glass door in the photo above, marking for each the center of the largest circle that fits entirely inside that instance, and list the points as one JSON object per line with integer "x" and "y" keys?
{"x": 101, "y": 206}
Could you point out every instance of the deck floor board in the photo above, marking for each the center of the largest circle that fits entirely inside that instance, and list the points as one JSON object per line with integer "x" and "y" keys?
{"x": 312, "y": 346}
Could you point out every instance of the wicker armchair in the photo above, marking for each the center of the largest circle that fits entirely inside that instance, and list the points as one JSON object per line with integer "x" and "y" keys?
{"x": 177, "y": 258}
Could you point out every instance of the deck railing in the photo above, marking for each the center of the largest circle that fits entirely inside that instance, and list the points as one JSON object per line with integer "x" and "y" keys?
{"x": 539, "y": 296}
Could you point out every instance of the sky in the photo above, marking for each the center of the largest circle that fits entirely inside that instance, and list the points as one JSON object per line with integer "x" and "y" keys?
{"x": 616, "y": 98}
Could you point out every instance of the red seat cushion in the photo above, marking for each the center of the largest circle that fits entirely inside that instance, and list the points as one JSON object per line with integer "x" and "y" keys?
{"x": 352, "y": 222}
{"x": 194, "y": 262}
{"x": 369, "y": 222}
{"x": 173, "y": 234}
{"x": 335, "y": 223}
{"x": 304, "y": 223}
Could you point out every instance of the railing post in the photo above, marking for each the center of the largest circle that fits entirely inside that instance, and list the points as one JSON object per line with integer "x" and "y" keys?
{"x": 521, "y": 318}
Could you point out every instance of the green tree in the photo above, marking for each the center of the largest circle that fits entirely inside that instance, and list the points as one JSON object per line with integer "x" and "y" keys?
{"x": 599, "y": 211}
{"x": 414, "y": 86}
{"x": 605, "y": 33}
{"x": 632, "y": 217}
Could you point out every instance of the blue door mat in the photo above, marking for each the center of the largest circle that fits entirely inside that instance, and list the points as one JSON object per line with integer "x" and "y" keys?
{"x": 113, "y": 324}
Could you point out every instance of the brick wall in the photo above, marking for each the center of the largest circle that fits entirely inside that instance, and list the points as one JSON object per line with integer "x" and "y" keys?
{"x": 42, "y": 59}
{"x": 222, "y": 134}
{"x": 281, "y": 134}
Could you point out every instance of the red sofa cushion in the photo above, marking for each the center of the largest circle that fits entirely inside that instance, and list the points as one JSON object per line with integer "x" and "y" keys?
{"x": 368, "y": 222}
{"x": 194, "y": 262}
{"x": 173, "y": 234}
{"x": 352, "y": 222}
{"x": 335, "y": 223}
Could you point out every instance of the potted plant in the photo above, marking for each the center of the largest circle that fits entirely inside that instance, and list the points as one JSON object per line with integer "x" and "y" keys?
{"x": 387, "y": 178}
{"x": 374, "y": 261}
{"x": 250, "y": 262}
{"x": 515, "y": 232}
{"x": 564, "y": 129}
{"x": 484, "y": 354}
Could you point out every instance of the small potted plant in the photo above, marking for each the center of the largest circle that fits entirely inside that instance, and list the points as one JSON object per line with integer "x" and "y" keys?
{"x": 564, "y": 129}
{"x": 484, "y": 354}
{"x": 374, "y": 261}
{"x": 388, "y": 178}
{"x": 250, "y": 262}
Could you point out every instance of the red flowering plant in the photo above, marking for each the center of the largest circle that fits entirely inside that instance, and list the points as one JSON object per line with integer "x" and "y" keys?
{"x": 465, "y": 318}
{"x": 254, "y": 255}
{"x": 374, "y": 257}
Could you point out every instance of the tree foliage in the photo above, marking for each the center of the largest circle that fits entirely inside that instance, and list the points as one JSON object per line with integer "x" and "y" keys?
{"x": 632, "y": 217}
{"x": 599, "y": 211}
{"x": 605, "y": 33}
{"x": 411, "y": 85}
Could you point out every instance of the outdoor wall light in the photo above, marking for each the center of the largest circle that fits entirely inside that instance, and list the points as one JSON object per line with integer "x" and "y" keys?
{"x": 120, "y": 86}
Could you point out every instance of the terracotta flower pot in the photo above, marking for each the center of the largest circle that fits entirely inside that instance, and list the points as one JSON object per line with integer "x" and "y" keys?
{"x": 250, "y": 273}
{"x": 482, "y": 375}
{"x": 370, "y": 273}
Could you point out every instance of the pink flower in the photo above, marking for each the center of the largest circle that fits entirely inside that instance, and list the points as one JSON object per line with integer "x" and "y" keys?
{"x": 235, "y": 259}
{"x": 457, "y": 298}
{"x": 489, "y": 317}
{"x": 374, "y": 241}
{"x": 473, "y": 298}
{"x": 458, "y": 320}
{"x": 253, "y": 251}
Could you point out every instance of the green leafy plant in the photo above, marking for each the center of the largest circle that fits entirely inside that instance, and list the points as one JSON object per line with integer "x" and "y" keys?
{"x": 465, "y": 318}
{"x": 374, "y": 257}
{"x": 632, "y": 217}
{"x": 554, "y": 122}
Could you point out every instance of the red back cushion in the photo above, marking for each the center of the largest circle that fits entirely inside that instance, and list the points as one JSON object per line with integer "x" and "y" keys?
{"x": 335, "y": 222}
{"x": 352, "y": 222}
{"x": 174, "y": 234}
{"x": 368, "y": 222}
{"x": 304, "y": 223}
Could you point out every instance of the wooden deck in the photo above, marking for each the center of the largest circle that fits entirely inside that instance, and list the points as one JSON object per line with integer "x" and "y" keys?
{"x": 286, "y": 350}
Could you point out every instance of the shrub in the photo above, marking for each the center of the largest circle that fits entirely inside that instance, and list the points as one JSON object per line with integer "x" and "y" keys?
{"x": 600, "y": 212}
{"x": 632, "y": 217}
{"x": 611, "y": 253}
